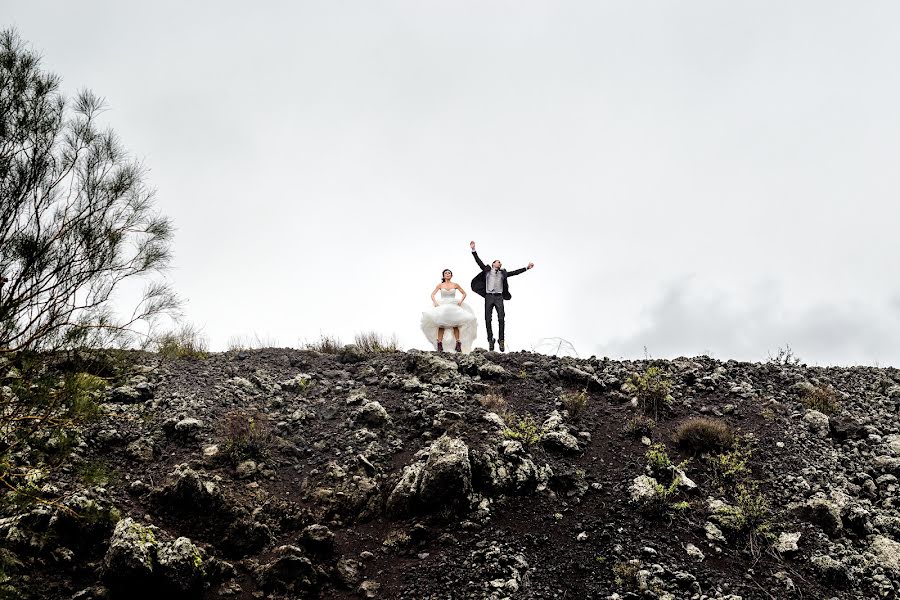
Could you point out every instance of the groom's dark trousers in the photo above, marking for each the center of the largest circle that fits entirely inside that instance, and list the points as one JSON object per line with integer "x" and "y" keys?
{"x": 492, "y": 301}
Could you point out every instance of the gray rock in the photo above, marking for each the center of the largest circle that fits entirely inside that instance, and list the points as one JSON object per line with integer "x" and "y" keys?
{"x": 188, "y": 428}
{"x": 349, "y": 571}
{"x": 886, "y": 554}
{"x": 140, "y": 450}
{"x": 561, "y": 441}
{"x": 246, "y": 469}
{"x": 132, "y": 553}
{"x": 642, "y": 488}
{"x": 447, "y": 475}
{"x": 182, "y": 565}
{"x": 288, "y": 572}
{"x": 402, "y": 498}
{"x": 694, "y": 552}
{"x": 318, "y": 539}
{"x": 373, "y": 414}
{"x": 824, "y": 513}
{"x": 787, "y": 543}
{"x": 817, "y": 422}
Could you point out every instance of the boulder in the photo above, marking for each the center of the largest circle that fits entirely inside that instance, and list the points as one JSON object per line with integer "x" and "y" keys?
{"x": 817, "y": 422}
{"x": 181, "y": 565}
{"x": 132, "y": 554}
{"x": 372, "y": 414}
{"x": 289, "y": 572}
{"x": 447, "y": 475}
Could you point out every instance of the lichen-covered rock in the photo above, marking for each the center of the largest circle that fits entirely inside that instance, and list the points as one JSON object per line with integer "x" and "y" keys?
{"x": 189, "y": 492}
{"x": 817, "y": 422}
{"x": 824, "y": 513}
{"x": 886, "y": 554}
{"x": 181, "y": 565}
{"x": 431, "y": 368}
{"x": 447, "y": 475}
{"x": 402, "y": 498}
{"x": 561, "y": 441}
{"x": 132, "y": 553}
{"x": 642, "y": 488}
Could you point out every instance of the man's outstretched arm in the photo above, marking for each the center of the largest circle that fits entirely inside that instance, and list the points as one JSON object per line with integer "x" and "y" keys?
{"x": 475, "y": 255}
{"x": 520, "y": 271}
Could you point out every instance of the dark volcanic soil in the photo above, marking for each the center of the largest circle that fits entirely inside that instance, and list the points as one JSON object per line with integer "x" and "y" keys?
{"x": 482, "y": 516}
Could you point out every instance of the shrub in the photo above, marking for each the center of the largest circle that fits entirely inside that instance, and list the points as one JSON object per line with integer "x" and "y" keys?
{"x": 184, "y": 342}
{"x": 703, "y": 435}
{"x": 823, "y": 399}
{"x": 524, "y": 430}
{"x": 246, "y": 434}
{"x": 372, "y": 341}
{"x": 785, "y": 357}
{"x": 658, "y": 459}
{"x": 640, "y": 425}
{"x": 750, "y": 516}
{"x": 626, "y": 575}
{"x": 732, "y": 467}
{"x": 652, "y": 390}
{"x": 326, "y": 344}
{"x": 496, "y": 403}
{"x": 239, "y": 343}
{"x": 574, "y": 402}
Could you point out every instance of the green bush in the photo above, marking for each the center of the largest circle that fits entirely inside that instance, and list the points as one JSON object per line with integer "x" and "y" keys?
{"x": 326, "y": 344}
{"x": 574, "y": 402}
{"x": 652, "y": 390}
{"x": 731, "y": 467}
{"x": 524, "y": 430}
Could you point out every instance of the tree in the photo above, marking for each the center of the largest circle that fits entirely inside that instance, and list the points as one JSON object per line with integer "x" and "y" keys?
{"x": 77, "y": 217}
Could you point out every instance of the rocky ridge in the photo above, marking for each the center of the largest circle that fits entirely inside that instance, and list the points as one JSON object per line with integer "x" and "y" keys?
{"x": 294, "y": 474}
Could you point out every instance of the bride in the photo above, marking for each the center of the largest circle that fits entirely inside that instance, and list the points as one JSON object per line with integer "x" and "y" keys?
{"x": 450, "y": 313}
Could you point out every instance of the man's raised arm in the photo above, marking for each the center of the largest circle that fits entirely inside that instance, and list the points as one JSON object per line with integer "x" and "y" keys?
{"x": 475, "y": 255}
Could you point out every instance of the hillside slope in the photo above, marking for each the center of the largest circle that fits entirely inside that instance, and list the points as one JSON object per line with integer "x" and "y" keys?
{"x": 294, "y": 474}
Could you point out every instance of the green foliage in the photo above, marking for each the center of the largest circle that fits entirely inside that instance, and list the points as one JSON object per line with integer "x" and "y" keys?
{"x": 374, "y": 342}
{"x": 184, "y": 342}
{"x": 730, "y": 468}
{"x": 682, "y": 506}
{"x": 574, "y": 402}
{"x": 662, "y": 498}
{"x": 823, "y": 399}
{"x": 702, "y": 435}
{"x": 653, "y": 391}
{"x": 524, "y": 430}
{"x": 247, "y": 434}
{"x": 396, "y": 539}
{"x": 751, "y": 516}
{"x": 658, "y": 459}
{"x": 523, "y": 374}
{"x": 639, "y": 426}
{"x": 83, "y": 393}
{"x": 785, "y": 357}
{"x": 97, "y": 473}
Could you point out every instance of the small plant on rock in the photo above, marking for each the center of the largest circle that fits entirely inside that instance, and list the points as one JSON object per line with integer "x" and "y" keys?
{"x": 574, "y": 402}
{"x": 823, "y": 399}
{"x": 626, "y": 575}
{"x": 326, "y": 344}
{"x": 524, "y": 430}
{"x": 703, "y": 435}
{"x": 247, "y": 434}
{"x": 653, "y": 391}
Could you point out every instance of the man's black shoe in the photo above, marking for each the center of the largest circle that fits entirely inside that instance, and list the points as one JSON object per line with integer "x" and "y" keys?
{"x": 501, "y": 346}
{"x": 491, "y": 346}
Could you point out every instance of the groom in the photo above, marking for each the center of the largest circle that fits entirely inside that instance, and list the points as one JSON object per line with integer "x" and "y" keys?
{"x": 491, "y": 283}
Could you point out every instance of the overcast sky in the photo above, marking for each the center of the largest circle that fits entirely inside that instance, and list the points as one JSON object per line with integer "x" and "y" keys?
{"x": 688, "y": 177}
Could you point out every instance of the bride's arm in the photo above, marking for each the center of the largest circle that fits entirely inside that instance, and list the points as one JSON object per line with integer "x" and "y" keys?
{"x": 463, "y": 299}
{"x": 436, "y": 288}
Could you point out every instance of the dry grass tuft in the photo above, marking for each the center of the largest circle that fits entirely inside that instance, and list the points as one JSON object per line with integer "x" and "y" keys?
{"x": 703, "y": 435}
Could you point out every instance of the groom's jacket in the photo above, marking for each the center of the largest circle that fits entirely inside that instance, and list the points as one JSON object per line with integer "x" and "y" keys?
{"x": 479, "y": 284}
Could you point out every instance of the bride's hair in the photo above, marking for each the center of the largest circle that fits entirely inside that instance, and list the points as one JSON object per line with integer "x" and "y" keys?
{"x": 445, "y": 271}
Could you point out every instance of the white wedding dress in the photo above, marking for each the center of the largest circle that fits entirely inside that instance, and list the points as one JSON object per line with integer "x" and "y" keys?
{"x": 449, "y": 314}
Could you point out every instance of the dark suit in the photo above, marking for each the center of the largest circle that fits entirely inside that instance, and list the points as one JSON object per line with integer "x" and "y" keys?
{"x": 492, "y": 301}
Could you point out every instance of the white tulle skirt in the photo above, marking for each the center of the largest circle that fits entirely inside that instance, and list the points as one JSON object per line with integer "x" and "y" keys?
{"x": 448, "y": 314}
